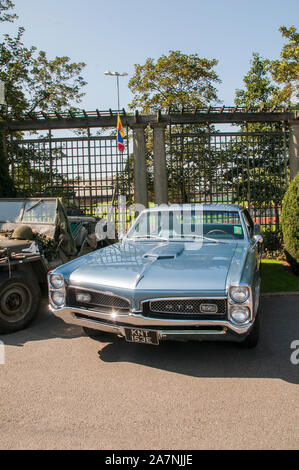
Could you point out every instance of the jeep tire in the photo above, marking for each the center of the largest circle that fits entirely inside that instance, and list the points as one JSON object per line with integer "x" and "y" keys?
{"x": 19, "y": 301}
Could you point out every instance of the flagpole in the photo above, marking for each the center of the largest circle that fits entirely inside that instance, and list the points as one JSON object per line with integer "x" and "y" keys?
{"x": 117, "y": 80}
{"x": 117, "y": 74}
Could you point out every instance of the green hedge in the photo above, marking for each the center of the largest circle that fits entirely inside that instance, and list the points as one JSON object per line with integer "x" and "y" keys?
{"x": 290, "y": 223}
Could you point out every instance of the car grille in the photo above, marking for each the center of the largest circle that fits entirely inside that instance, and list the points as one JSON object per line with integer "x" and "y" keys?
{"x": 188, "y": 309}
{"x": 98, "y": 301}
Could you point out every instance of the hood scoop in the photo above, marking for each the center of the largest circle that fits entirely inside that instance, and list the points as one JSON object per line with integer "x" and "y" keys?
{"x": 167, "y": 251}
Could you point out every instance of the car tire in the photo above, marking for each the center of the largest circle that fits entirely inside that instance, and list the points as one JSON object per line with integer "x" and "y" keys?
{"x": 98, "y": 334}
{"x": 252, "y": 339}
{"x": 20, "y": 298}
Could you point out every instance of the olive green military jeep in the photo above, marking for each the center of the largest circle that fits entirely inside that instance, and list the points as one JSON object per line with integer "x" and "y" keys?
{"x": 35, "y": 236}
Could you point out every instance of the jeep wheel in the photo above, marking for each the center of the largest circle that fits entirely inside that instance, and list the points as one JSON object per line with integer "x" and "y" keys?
{"x": 19, "y": 302}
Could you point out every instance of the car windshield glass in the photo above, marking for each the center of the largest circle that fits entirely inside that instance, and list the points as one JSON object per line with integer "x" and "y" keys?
{"x": 40, "y": 212}
{"x": 11, "y": 211}
{"x": 188, "y": 224}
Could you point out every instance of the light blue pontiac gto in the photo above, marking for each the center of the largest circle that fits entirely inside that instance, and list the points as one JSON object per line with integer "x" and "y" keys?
{"x": 184, "y": 272}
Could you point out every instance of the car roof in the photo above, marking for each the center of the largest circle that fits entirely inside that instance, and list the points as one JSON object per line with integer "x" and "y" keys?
{"x": 210, "y": 207}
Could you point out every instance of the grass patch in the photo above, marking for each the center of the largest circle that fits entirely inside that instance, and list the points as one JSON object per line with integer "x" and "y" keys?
{"x": 277, "y": 277}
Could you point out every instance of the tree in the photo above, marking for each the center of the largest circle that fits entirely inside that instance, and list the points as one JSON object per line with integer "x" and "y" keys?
{"x": 272, "y": 82}
{"x": 259, "y": 87}
{"x": 32, "y": 82}
{"x": 174, "y": 81}
{"x": 285, "y": 71}
{"x": 260, "y": 184}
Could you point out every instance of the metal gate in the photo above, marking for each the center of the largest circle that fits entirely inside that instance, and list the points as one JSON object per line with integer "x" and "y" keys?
{"x": 203, "y": 165}
{"x": 246, "y": 168}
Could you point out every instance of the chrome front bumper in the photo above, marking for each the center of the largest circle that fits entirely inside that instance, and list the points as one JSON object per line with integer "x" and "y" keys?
{"x": 166, "y": 329}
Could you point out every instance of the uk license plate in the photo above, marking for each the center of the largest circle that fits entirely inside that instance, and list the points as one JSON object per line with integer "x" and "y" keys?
{"x": 134, "y": 335}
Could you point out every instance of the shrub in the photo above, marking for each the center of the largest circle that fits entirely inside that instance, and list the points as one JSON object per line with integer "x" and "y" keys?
{"x": 273, "y": 247}
{"x": 290, "y": 223}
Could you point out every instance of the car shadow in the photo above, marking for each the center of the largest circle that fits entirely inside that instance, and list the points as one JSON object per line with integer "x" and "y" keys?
{"x": 45, "y": 326}
{"x": 270, "y": 359}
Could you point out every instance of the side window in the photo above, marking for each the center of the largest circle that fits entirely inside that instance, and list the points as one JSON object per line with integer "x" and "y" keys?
{"x": 249, "y": 222}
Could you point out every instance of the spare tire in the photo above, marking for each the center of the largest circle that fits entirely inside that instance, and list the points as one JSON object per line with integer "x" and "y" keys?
{"x": 19, "y": 301}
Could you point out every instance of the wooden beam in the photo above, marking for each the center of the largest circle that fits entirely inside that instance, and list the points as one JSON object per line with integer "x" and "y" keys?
{"x": 175, "y": 118}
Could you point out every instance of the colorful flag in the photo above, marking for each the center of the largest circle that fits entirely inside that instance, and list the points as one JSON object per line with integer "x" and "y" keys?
{"x": 120, "y": 135}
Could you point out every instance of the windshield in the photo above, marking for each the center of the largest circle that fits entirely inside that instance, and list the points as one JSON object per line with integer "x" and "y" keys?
{"x": 188, "y": 224}
{"x": 11, "y": 211}
{"x": 37, "y": 211}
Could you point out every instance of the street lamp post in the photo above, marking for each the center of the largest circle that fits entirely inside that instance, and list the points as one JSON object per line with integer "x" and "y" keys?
{"x": 2, "y": 92}
{"x": 117, "y": 75}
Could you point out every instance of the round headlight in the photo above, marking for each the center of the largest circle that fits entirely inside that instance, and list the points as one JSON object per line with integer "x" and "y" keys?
{"x": 58, "y": 298}
{"x": 240, "y": 314}
{"x": 57, "y": 281}
{"x": 239, "y": 294}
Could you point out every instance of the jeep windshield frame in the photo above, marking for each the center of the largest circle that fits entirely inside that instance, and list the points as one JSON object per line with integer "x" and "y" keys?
{"x": 27, "y": 211}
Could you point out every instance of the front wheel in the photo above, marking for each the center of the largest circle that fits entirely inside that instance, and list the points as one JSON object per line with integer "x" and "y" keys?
{"x": 19, "y": 302}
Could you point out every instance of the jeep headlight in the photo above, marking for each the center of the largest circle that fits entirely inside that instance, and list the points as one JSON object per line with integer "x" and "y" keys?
{"x": 58, "y": 298}
{"x": 57, "y": 281}
{"x": 239, "y": 294}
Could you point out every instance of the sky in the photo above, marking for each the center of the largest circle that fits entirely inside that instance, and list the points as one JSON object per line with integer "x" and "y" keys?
{"x": 115, "y": 35}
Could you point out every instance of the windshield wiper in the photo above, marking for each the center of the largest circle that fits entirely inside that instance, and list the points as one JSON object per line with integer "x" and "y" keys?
{"x": 35, "y": 205}
{"x": 149, "y": 236}
{"x": 201, "y": 237}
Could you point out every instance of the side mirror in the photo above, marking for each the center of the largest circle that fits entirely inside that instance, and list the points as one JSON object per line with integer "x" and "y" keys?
{"x": 258, "y": 239}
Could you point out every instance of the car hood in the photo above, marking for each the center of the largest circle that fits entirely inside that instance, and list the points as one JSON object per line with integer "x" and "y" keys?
{"x": 155, "y": 266}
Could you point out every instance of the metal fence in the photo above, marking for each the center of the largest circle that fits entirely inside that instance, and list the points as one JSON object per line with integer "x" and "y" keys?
{"x": 246, "y": 168}
{"x": 88, "y": 172}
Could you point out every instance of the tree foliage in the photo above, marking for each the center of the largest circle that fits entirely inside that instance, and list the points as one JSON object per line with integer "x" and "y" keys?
{"x": 5, "y": 11}
{"x": 258, "y": 86}
{"x": 285, "y": 71}
{"x": 32, "y": 82}
{"x": 174, "y": 81}
{"x": 265, "y": 183}
{"x": 272, "y": 82}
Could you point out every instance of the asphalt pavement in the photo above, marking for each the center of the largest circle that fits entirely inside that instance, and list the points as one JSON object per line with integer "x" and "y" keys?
{"x": 62, "y": 390}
